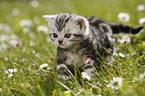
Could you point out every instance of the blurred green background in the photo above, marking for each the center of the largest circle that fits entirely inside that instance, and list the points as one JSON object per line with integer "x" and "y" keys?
{"x": 106, "y": 9}
{"x": 37, "y": 49}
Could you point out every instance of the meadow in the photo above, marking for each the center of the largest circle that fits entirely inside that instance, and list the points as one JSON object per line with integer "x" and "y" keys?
{"x": 28, "y": 56}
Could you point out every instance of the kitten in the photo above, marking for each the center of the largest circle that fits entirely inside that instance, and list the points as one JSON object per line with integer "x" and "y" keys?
{"x": 78, "y": 38}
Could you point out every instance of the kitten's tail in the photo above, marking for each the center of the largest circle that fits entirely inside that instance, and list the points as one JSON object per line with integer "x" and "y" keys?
{"x": 115, "y": 27}
{"x": 121, "y": 28}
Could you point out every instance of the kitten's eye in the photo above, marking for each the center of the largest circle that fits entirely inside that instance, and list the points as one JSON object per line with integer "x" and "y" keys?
{"x": 67, "y": 35}
{"x": 55, "y": 35}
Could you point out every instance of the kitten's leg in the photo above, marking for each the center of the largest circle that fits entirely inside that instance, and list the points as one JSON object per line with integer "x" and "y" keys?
{"x": 90, "y": 67}
{"x": 64, "y": 72}
{"x": 103, "y": 27}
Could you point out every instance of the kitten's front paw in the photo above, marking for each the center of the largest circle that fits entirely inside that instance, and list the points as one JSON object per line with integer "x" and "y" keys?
{"x": 61, "y": 69}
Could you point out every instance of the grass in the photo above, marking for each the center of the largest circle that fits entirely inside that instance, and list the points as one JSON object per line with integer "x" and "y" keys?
{"x": 36, "y": 50}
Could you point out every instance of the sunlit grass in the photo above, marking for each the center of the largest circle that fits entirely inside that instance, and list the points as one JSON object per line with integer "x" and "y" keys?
{"x": 33, "y": 48}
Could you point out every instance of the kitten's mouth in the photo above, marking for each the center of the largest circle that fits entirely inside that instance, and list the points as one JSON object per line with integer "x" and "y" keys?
{"x": 61, "y": 45}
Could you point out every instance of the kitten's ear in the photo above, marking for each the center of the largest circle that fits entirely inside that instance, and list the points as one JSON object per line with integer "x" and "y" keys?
{"x": 81, "y": 23}
{"x": 49, "y": 18}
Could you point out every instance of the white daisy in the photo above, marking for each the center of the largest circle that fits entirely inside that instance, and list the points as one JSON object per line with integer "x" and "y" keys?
{"x": 15, "y": 12}
{"x": 120, "y": 54}
{"x": 85, "y": 76}
{"x": 10, "y": 75}
{"x": 4, "y": 38}
{"x": 5, "y": 27}
{"x": 12, "y": 70}
{"x": 15, "y": 43}
{"x": 140, "y": 7}
{"x": 42, "y": 28}
{"x": 14, "y": 37}
{"x": 32, "y": 43}
{"x": 126, "y": 38}
{"x": 142, "y": 20}
{"x": 37, "y": 55}
{"x": 123, "y": 17}
{"x": 4, "y": 46}
{"x": 26, "y": 23}
{"x": 34, "y": 3}
{"x": 6, "y": 59}
{"x": 26, "y": 30}
{"x": 120, "y": 40}
{"x": 116, "y": 83}
{"x": 142, "y": 76}
{"x": 45, "y": 65}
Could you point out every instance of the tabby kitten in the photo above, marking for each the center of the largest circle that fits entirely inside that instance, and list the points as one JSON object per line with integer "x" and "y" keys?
{"x": 78, "y": 38}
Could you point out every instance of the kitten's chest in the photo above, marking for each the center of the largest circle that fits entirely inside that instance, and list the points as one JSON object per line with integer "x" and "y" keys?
{"x": 76, "y": 59}
{"x": 73, "y": 57}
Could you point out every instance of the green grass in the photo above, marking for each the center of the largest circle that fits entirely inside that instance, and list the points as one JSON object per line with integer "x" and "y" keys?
{"x": 30, "y": 81}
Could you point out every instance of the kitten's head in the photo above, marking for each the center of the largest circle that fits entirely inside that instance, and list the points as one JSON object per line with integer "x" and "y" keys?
{"x": 67, "y": 30}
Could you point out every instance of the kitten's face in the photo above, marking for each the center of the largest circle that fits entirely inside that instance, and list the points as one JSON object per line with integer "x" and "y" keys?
{"x": 66, "y": 30}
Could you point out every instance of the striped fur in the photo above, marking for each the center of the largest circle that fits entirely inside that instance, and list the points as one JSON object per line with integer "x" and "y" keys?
{"x": 79, "y": 38}
{"x": 61, "y": 20}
